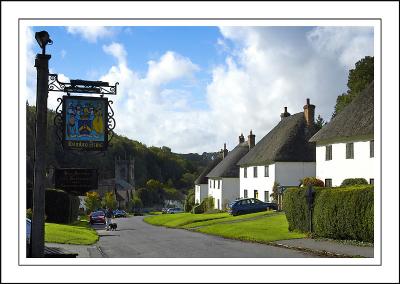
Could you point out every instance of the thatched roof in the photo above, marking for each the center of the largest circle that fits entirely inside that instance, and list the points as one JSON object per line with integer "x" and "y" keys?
{"x": 355, "y": 120}
{"x": 286, "y": 142}
{"x": 228, "y": 166}
{"x": 202, "y": 179}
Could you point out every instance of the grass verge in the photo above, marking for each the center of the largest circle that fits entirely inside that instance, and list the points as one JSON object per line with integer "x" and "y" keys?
{"x": 263, "y": 227}
{"x": 262, "y": 230}
{"x": 78, "y": 233}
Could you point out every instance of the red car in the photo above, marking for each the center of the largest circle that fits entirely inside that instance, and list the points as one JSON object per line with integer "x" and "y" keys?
{"x": 97, "y": 217}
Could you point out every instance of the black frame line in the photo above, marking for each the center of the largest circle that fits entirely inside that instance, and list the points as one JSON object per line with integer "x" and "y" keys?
{"x": 200, "y": 19}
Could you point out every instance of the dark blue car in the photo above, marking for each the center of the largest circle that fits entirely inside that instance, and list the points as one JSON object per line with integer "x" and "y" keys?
{"x": 249, "y": 205}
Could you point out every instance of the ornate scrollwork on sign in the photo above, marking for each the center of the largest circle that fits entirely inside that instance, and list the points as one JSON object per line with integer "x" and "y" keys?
{"x": 110, "y": 121}
{"x": 81, "y": 86}
{"x": 58, "y": 120}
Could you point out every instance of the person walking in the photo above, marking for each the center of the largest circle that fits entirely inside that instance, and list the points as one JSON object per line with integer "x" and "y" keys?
{"x": 109, "y": 216}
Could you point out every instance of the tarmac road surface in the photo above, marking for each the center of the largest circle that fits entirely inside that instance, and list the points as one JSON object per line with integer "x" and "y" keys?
{"x": 136, "y": 239}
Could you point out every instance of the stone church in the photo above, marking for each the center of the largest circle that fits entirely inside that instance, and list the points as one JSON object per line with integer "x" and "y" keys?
{"x": 123, "y": 184}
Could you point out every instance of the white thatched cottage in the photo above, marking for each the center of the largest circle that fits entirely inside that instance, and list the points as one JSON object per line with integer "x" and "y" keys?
{"x": 345, "y": 146}
{"x": 284, "y": 156}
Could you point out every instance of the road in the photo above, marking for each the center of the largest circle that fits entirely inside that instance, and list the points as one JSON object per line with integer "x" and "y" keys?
{"x": 137, "y": 239}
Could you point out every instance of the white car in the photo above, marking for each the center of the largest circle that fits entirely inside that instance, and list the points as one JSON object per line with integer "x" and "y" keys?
{"x": 174, "y": 210}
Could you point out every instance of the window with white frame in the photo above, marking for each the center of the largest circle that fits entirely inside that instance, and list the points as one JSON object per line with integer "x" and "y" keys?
{"x": 245, "y": 172}
{"x": 350, "y": 150}
{"x": 245, "y": 193}
{"x": 266, "y": 196}
{"x": 255, "y": 172}
{"x": 371, "y": 149}
{"x": 328, "y": 152}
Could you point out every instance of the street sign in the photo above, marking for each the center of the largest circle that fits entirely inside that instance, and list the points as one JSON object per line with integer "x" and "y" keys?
{"x": 76, "y": 180}
{"x": 85, "y": 121}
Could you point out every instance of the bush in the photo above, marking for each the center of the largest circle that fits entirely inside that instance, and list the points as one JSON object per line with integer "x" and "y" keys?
{"x": 206, "y": 205}
{"x": 354, "y": 181}
{"x": 338, "y": 213}
{"x": 312, "y": 181}
{"x": 60, "y": 207}
{"x": 296, "y": 208}
{"x": 345, "y": 213}
{"x": 29, "y": 213}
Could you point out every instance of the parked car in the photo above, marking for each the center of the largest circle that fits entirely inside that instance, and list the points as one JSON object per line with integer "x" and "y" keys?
{"x": 249, "y": 205}
{"x": 119, "y": 213}
{"x": 174, "y": 210}
{"x": 28, "y": 236}
{"x": 97, "y": 217}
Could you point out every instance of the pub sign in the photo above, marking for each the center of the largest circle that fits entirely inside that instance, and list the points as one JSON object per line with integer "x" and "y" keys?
{"x": 85, "y": 123}
{"x": 76, "y": 180}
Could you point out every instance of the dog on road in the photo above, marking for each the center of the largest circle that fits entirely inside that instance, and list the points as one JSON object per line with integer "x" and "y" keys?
{"x": 113, "y": 226}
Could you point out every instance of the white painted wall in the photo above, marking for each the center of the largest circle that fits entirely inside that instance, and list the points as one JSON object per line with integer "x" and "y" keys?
{"x": 228, "y": 191}
{"x": 290, "y": 173}
{"x": 260, "y": 183}
{"x": 201, "y": 192}
{"x": 340, "y": 168}
{"x": 285, "y": 173}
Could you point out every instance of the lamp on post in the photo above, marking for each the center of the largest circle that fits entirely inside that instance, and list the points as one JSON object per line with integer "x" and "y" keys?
{"x": 310, "y": 194}
{"x": 38, "y": 210}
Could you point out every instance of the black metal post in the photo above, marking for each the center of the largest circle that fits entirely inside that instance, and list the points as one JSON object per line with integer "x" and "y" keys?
{"x": 38, "y": 212}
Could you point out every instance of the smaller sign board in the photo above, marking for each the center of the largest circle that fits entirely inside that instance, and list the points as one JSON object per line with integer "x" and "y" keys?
{"x": 76, "y": 180}
{"x": 85, "y": 123}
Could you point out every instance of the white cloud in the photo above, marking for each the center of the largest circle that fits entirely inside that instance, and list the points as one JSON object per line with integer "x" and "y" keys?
{"x": 274, "y": 67}
{"x": 348, "y": 44}
{"x": 148, "y": 112}
{"x": 63, "y": 53}
{"x": 171, "y": 66}
{"x": 91, "y": 33}
{"x": 117, "y": 50}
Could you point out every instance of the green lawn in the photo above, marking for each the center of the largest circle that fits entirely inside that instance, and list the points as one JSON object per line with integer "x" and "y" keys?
{"x": 78, "y": 233}
{"x": 181, "y": 219}
{"x": 261, "y": 227}
{"x": 264, "y": 230}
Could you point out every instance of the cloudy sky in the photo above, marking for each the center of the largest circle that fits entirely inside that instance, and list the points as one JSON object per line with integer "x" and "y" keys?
{"x": 195, "y": 88}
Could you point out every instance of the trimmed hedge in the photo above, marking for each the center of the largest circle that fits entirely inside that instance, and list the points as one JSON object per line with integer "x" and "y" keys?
{"x": 60, "y": 207}
{"x": 338, "y": 213}
{"x": 354, "y": 181}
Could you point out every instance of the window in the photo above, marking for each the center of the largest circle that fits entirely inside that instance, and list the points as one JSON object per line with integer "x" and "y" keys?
{"x": 255, "y": 172}
{"x": 349, "y": 150}
{"x": 328, "y": 153}
{"x": 328, "y": 182}
{"x": 256, "y": 194}
{"x": 371, "y": 181}
{"x": 214, "y": 183}
{"x": 266, "y": 171}
{"x": 210, "y": 183}
{"x": 245, "y": 172}
{"x": 371, "y": 148}
{"x": 245, "y": 193}
{"x": 218, "y": 183}
{"x": 266, "y": 196}
{"x": 218, "y": 204}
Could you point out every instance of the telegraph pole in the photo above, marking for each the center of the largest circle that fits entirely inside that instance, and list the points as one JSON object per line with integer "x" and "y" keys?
{"x": 38, "y": 212}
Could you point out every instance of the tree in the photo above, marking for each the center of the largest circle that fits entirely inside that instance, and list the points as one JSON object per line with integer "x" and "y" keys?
{"x": 109, "y": 200}
{"x": 320, "y": 122}
{"x": 92, "y": 201}
{"x": 358, "y": 80}
{"x": 275, "y": 192}
{"x": 189, "y": 200}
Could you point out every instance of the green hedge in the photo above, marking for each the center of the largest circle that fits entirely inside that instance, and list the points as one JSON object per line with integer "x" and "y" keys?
{"x": 354, "y": 181}
{"x": 60, "y": 207}
{"x": 338, "y": 213}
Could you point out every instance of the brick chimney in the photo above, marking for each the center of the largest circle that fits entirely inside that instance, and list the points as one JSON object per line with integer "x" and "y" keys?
{"x": 251, "y": 140}
{"x": 285, "y": 114}
{"x": 309, "y": 111}
{"x": 241, "y": 138}
{"x": 224, "y": 152}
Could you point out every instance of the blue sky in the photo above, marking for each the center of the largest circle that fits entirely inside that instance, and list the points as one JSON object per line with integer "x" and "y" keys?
{"x": 195, "y": 88}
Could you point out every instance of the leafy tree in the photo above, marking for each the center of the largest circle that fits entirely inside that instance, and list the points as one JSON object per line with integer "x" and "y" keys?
{"x": 358, "y": 79}
{"x": 109, "y": 200}
{"x": 92, "y": 201}
{"x": 136, "y": 203}
{"x": 275, "y": 192}
{"x": 319, "y": 122}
